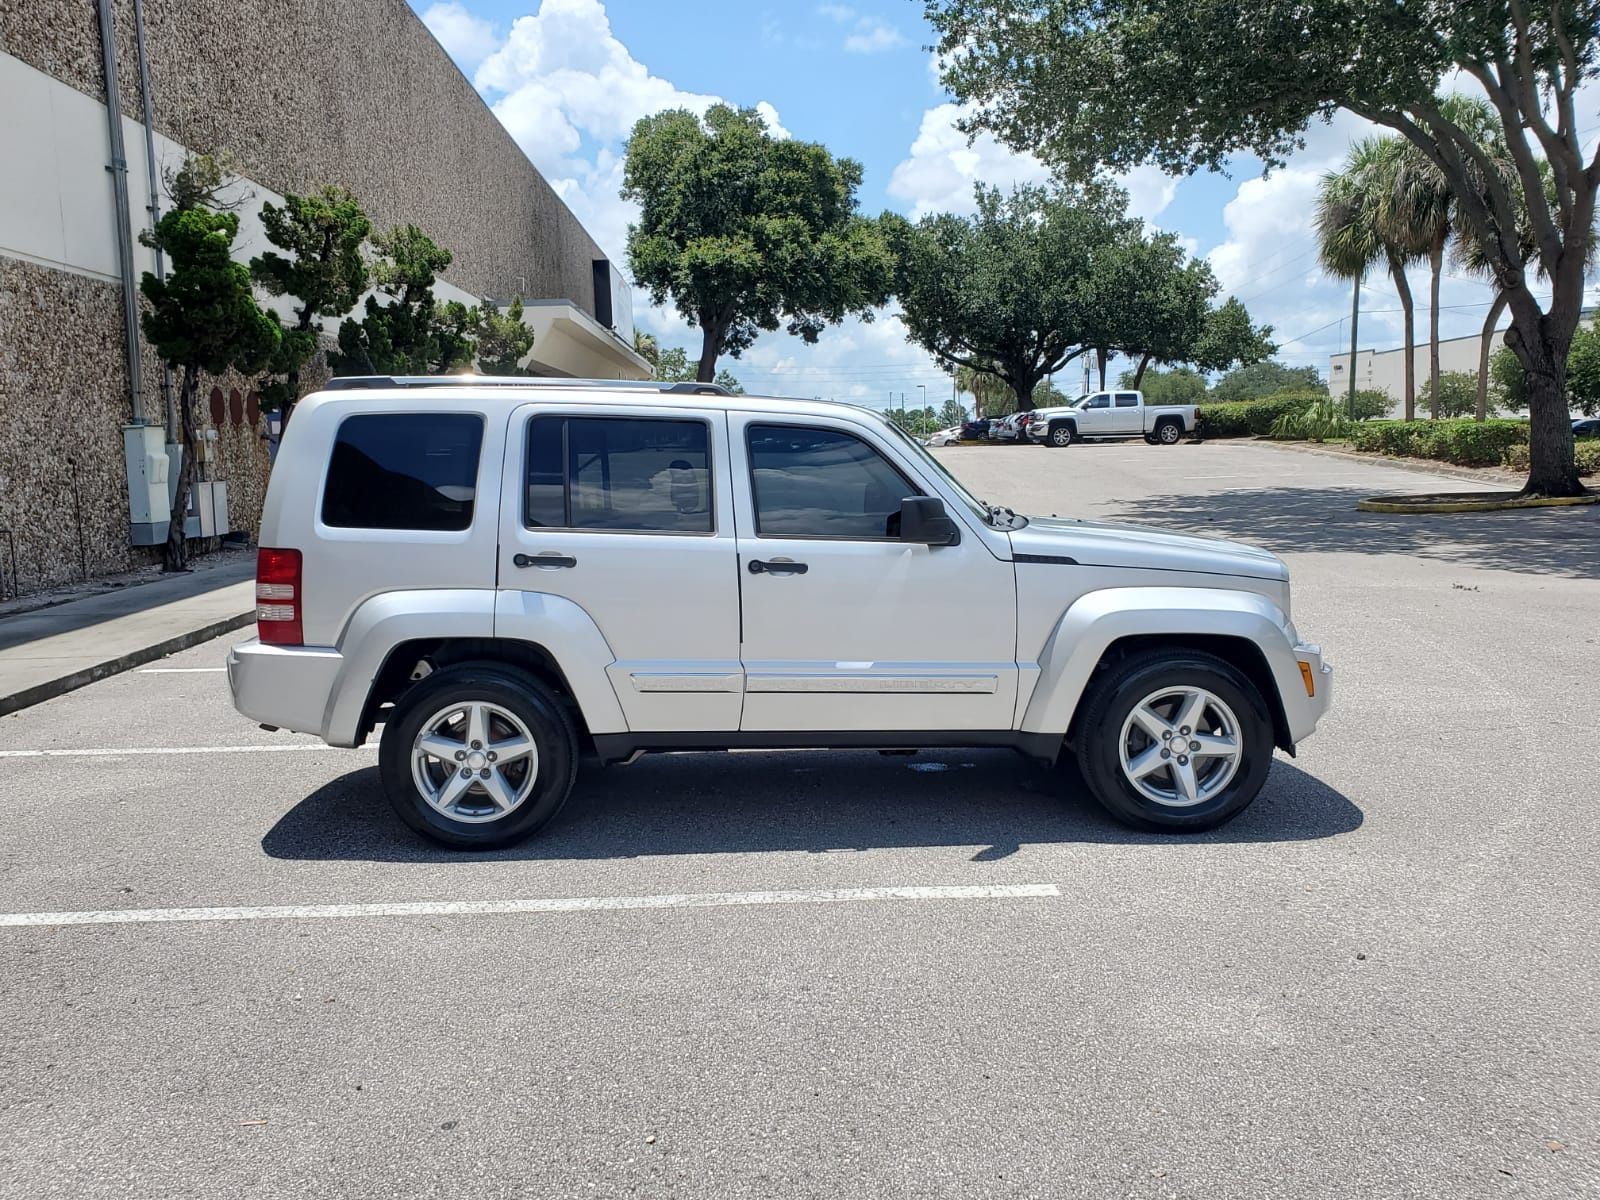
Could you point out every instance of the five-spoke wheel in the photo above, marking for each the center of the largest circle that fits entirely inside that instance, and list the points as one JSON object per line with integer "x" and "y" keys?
{"x": 1173, "y": 739}
{"x": 478, "y": 755}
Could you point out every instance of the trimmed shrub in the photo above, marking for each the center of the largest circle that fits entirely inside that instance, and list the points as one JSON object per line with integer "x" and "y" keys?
{"x": 1254, "y": 418}
{"x": 1587, "y": 456}
{"x": 1465, "y": 443}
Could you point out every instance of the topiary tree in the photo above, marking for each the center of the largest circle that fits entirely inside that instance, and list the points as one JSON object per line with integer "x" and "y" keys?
{"x": 323, "y": 271}
{"x": 203, "y": 315}
{"x": 743, "y": 231}
{"x": 411, "y": 334}
{"x": 503, "y": 340}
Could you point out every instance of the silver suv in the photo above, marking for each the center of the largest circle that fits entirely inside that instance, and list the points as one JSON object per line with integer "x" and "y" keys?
{"x": 509, "y": 574}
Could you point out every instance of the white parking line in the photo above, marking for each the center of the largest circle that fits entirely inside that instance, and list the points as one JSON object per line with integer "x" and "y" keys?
{"x": 477, "y": 908}
{"x": 112, "y": 752}
{"x": 180, "y": 670}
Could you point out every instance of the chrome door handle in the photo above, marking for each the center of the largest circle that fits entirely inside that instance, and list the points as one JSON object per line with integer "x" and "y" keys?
{"x": 777, "y": 566}
{"x": 544, "y": 560}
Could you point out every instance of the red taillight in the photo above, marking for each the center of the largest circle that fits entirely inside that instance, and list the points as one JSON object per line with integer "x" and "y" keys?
{"x": 278, "y": 597}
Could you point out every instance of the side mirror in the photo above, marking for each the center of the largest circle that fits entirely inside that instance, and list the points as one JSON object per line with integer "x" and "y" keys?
{"x": 924, "y": 521}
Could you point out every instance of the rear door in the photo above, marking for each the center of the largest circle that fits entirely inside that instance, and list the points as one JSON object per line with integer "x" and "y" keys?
{"x": 1126, "y": 414}
{"x": 626, "y": 512}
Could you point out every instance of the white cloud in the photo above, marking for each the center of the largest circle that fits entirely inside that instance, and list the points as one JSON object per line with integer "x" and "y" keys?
{"x": 942, "y": 167}
{"x": 868, "y": 35}
{"x": 466, "y": 38}
{"x": 874, "y": 37}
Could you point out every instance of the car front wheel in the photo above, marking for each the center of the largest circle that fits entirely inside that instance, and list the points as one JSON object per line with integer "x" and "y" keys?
{"x": 478, "y": 757}
{"x": 1059, "y": 435}
{"x": 1180, "y": 742}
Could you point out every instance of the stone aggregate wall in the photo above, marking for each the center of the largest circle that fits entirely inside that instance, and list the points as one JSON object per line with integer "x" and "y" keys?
{"x": 353, "y": 92}
{"x": 301, "y": 93}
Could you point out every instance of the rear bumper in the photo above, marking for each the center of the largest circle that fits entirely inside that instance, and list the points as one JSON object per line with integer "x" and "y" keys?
{"x": 288, "y": 687}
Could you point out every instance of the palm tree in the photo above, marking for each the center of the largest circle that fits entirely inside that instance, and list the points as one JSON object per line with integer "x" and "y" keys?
{"x": 1419, "y": 213}
{"x": 993, "y": 395}
{"x": 1353, "y": 237}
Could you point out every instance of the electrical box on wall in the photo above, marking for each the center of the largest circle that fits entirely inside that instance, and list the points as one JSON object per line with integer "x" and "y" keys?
{"x": 149, "y": 475}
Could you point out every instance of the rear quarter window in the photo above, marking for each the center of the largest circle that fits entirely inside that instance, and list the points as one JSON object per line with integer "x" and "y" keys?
{"x": 404, "y": 471}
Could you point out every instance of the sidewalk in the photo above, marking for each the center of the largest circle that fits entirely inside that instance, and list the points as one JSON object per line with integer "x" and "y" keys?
{"x": 48, "y": 651}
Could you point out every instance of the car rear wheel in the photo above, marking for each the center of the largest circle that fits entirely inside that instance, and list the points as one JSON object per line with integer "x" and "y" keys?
{"x": 1168, "y": 433}
{"x": 1059, "y": 435}
{"x": 478, "y": 757}
{"x": 1180, "y": 742}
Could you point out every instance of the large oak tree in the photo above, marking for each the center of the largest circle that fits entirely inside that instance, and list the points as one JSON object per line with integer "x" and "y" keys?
{"x": 1090, "y": 85}
{"x": 744, "y": 231}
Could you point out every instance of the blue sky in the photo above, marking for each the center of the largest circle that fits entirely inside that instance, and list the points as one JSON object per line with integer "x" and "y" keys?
{"x": 569, "y": 77}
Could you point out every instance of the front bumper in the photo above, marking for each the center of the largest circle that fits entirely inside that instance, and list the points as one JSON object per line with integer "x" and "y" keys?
{"x": 1300, "y": 709}
{"x": 287, "y": 687}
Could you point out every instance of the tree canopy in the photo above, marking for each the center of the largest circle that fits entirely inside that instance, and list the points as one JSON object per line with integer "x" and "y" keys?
{"x": 411, "y": 334}
{"x": 323, "y": 269}
{"x": 1180, "y": 385}
{"x": 203, "y": 315}
{"x": 673, "y": 366}
{"x": 1009, "y": 289}
{"x": 1088, "y": 85}
{"x": 1264, "y": 379}
{"x": 744, "y": 231}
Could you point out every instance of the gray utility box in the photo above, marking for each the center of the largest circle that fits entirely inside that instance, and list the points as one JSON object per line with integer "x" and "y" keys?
{"x": 153, "y": 482}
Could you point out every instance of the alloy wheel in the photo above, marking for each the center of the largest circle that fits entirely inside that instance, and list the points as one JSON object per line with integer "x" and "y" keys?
{"x": 474, "y": 761}
{"x": 1181, "y": 746}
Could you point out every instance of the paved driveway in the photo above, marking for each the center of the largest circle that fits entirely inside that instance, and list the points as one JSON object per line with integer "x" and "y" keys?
{"x": 1380, "y": 982}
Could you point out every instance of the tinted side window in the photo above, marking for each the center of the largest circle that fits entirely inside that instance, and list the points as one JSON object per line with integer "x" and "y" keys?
{"x": 620, "y": 473}
{"x": 1100, "y": 402}
{"x": 403, "y": 471}
{"x": 1127, "y": 400}
{"x": 823, "y": 483}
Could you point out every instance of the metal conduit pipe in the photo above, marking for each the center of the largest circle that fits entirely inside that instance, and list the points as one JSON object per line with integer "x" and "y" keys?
{"x": 155, "y": 197}
{"x": 118, "y": 167}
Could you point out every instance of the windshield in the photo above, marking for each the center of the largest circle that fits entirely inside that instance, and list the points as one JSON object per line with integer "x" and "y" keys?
{"x": 983, "y": 511}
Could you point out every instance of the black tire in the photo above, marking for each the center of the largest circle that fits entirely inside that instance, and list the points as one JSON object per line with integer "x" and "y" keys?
{"x": 1059, "y": 435}
{"x": 1169, "y": 432}
{"x": 1150, "y": 438}
{"x": 1107, "y": 706}
{"x": 535, "y": 705}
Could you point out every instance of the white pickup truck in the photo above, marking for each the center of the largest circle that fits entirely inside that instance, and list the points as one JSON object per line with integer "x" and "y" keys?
{"x": 1118, "y": 414}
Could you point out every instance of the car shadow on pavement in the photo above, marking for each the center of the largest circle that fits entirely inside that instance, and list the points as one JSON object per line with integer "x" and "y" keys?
{"x": 1547, "y": 541}
{"x": 798, "y": 801}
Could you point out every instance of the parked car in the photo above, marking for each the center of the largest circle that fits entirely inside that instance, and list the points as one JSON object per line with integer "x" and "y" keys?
{"x": 1010, "y": 428}
{"x": 505, "y": 574}
{"x": 1118, "y": 414}
{"x": 1586, "y": 427}
{"x": 945, "y": 437}
{"x": 975, "y": 431}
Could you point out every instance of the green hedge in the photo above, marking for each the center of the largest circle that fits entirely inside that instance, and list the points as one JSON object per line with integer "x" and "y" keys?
{"x": 1465, "y": 443}
{"x": 1587, "y": 456}
{"x": 1247, "y": 418}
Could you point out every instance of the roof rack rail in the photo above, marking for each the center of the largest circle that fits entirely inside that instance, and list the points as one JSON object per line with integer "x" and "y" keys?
{"x": 354, "y": 383}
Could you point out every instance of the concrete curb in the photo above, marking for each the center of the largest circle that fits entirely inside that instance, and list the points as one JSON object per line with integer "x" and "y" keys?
{"x": 49, "y": 690}
{"x": 1464, "y": 502}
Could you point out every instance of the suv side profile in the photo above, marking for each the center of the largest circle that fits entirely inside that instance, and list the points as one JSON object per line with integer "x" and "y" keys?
{"x": 507, "y": 575}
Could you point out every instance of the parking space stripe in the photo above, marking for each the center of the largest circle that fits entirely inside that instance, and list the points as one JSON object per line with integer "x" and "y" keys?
{"x": 181, "y": 670}
{"x": 112, "y": 752}
{"x": 479, "y": 908}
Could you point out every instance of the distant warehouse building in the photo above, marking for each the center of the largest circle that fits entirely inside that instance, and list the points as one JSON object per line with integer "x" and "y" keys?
{"x": 301, "y": 94}
{"x": 1385, "y": 370}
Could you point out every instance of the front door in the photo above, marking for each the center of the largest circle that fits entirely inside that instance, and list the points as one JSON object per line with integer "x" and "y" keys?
{"x": 628, "y": 515}
{"x": 1095, "y": 418}
{"x": 847, "y": 628}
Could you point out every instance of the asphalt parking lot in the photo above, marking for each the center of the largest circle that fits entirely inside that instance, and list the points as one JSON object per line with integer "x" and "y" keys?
{"x": 1382, "y": 981}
